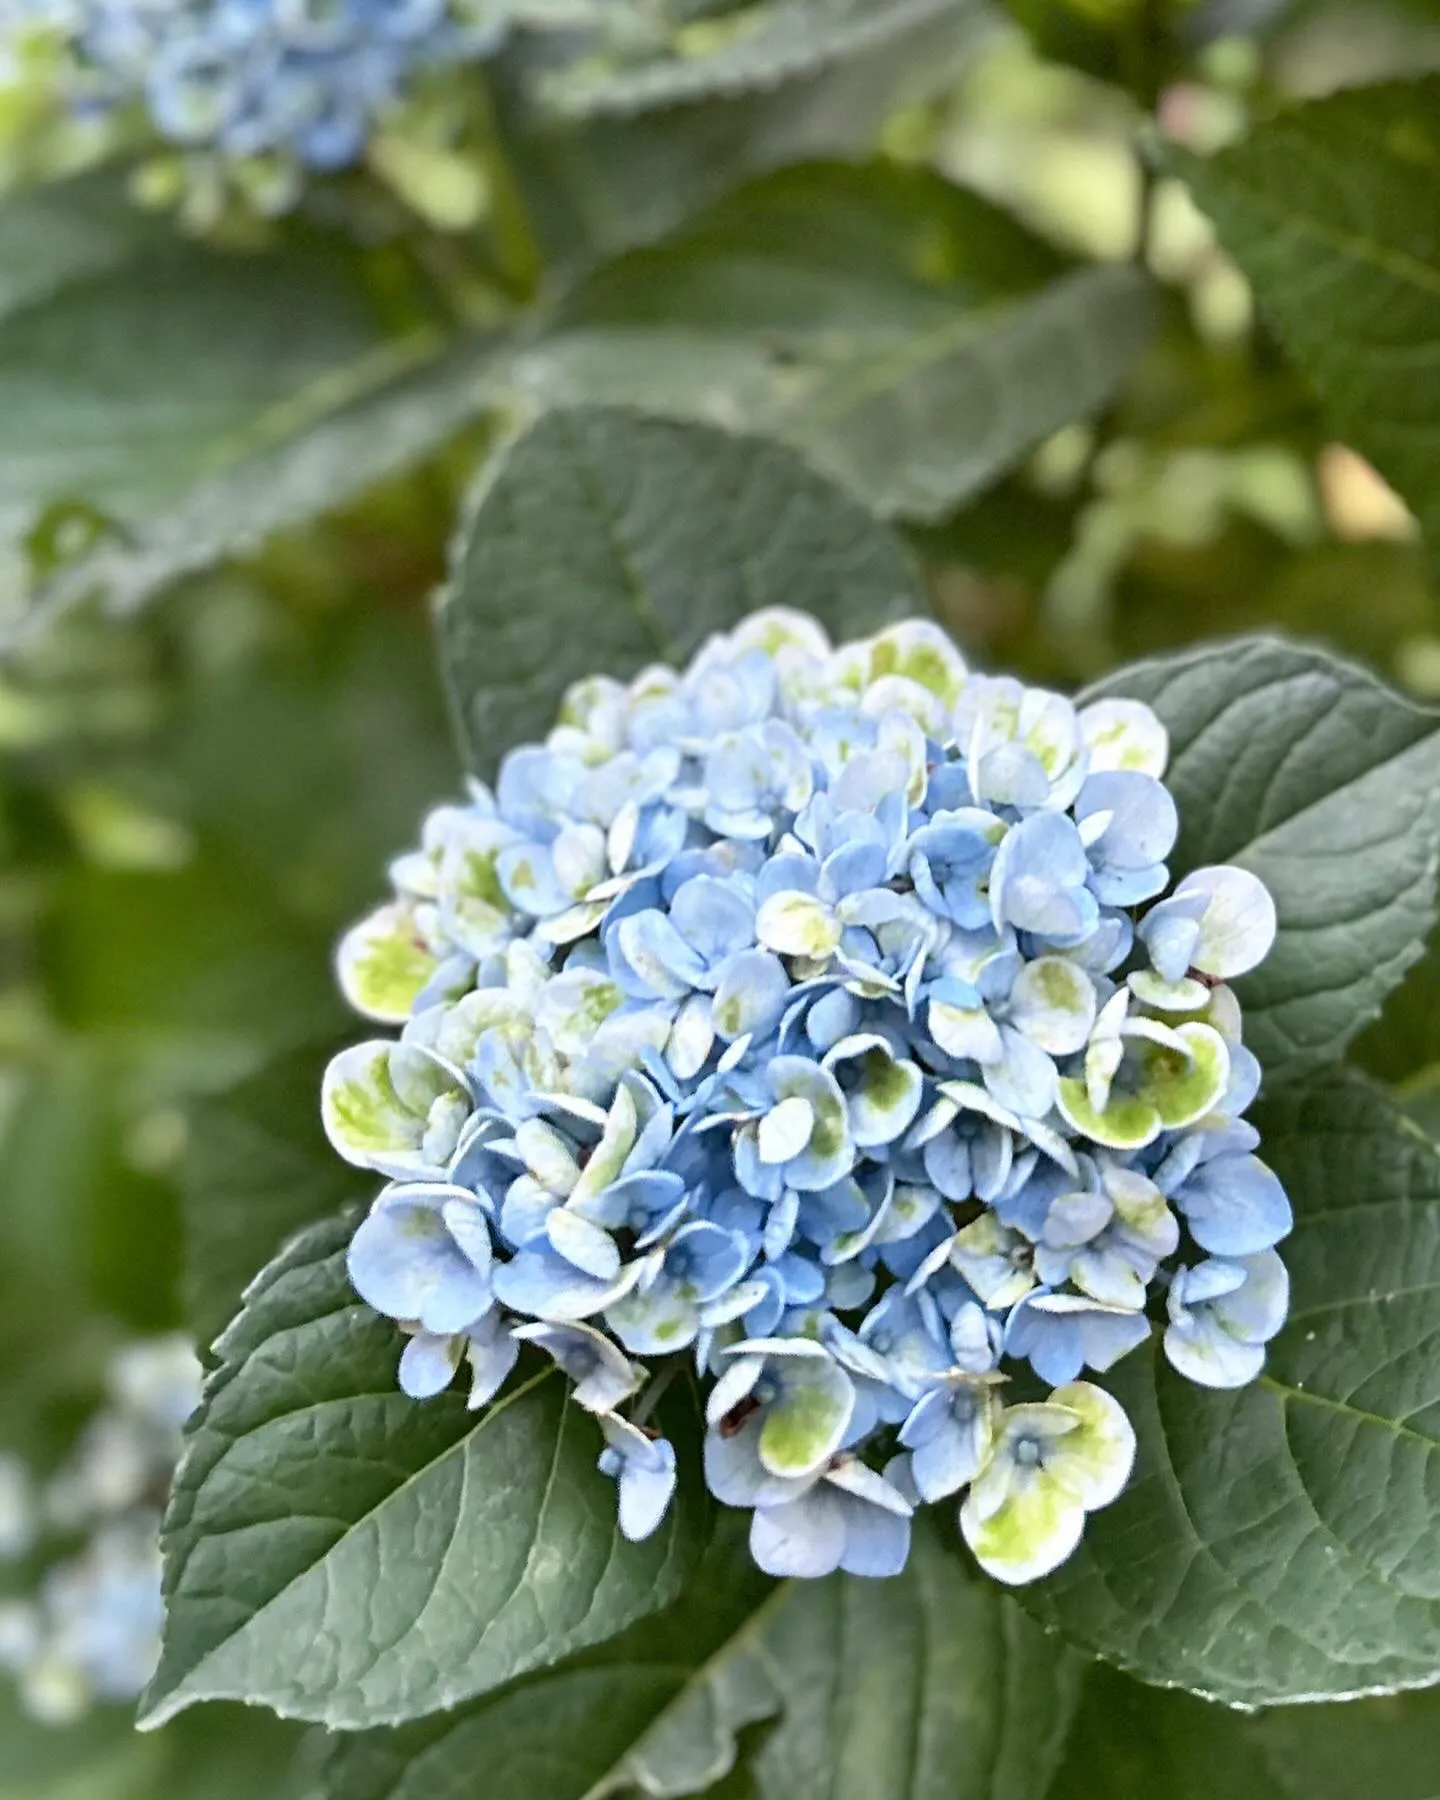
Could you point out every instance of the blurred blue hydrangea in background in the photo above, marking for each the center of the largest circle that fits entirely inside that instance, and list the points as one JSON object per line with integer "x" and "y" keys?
{"x": 299, "y": 79}
{"x": 91, "y": 1631}
{"x": 819, "y": 1014}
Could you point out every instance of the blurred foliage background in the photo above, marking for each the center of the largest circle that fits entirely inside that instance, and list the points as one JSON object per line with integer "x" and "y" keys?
{"x": 197, "y": 794}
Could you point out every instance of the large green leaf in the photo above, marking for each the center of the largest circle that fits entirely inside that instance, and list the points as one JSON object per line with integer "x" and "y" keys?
{"x": 762, "y": 47}
{"x": 258, "y": 1167}
{"x": 598, "y": 174}
{"x": 344, "y": 1554}
{"x": 1389, "y": 1747}
{"x": 1330, "y": 210}
{"x": 197, "y": 400}
{"x": 1323, "y": 782}
{"x": 928, "y": 1687}
{"x": 605, "y": 541}
{"x": 122, "y": 386}
{"x": 905, "y": 335}
{"x": 53, "y": 236}
{"x": 1282, "y": 1542}
{"x": 1138, "y": 1743}
{"x": 1134, "y": 1743}
{"x": 385, "y": 414}
{"x": 1404, "y": 1042}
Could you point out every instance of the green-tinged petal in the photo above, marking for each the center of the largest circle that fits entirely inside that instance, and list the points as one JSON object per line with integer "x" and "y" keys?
{"x": 383, "y": 963}
{"x": 1051, "y": 734}
{"x": 457, "y": 1029}
{"x": 548, "y": 1156}
{"x": 897, "y": 697}
{"x": 1127, "y": 1122}
{"x": 419, "y": 1077}
{"x": 616, "y": 1142}
{"x": 1182, "y": 1085}
{"x": 965, "y": 1032}
{"x": 1034, "y": 1529}
{"x": 921, "y": 652}
{"x": 1053, "y": 1003}
{"x": 797, "y": 924}
{"x": 572, "y": 924}
{"x": 989, "y": 1256}
{"x": 1102, "y": 1065}
{"x": 805, "y": 1423}
{"x": 573, "y": 1008}
{"x": 1223, "y": 1014}
{"x": 1183, "y": 996}
{"x": 777, "y": 628}
{"x": 364, "y": 1116}
{"x": 1124, "y": 734}
{"x": 1093, "y": 1462}
{"x": 886, "y": 1097}
{"x": 967, "y": 1096}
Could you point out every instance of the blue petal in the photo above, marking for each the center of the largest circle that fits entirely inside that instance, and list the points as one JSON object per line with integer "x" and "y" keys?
{"x": 428, "y": 1364}
{"x": 805, "y": 1539}
{"x": 1235, "y": 1206}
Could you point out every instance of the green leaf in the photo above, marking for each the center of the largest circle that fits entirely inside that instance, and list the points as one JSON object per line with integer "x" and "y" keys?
{"x": 343, "y": 1554}
{"x": 931, "y": 1686}
{"x": 1330, "y": 211}
{"x": 82, "y": 1225}
{"x": 1321, "y": 780}
{"x": 905, "y": 335}
{"x": 1141, "y": 1742}
{"x": 1420, "y": 1100}
{"x": 1281, "y": 1542}
{"x": 766, "y": 46}
{"x": 36, "y": 1758}
{"x": 605, "y": 541}
{"x": 54, "y": 236}
{"x": 258, "y": 1167}
{"x": 1404, "y": 1042}
{"x": 124, "y": 386}
{"x": 386, "y": 414}
{"x": 611, "y": 178}
{"x": 199, "y": 401}
{"x": 1389, "y": 1747}
{"x": 1137, "y": 1743}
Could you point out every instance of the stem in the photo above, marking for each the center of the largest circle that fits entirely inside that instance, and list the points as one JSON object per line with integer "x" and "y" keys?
{"x": 518, "y": 259}
{"x": 652, "y": 1395}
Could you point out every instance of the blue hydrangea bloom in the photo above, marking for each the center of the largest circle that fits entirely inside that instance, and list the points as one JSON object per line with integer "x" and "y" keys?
{"x": 823, "y": 1019}
{"x": 302, "y": 79}
{"x": 91, "y": 1629}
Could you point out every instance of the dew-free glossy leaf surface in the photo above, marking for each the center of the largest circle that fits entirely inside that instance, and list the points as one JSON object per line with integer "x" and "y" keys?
{"x": 1282, "y": 1542}
{"x": 929, "y": 1687}
{"x": 607, "y": 159}
{"x": 373, "y": 420}
{"x": 343, "y": 1554}
{"x": 605, "y": 541}
{"x": 1133, "y": 1743}
{"x": 907, "y": 337}
{"x": 1326, "y": 784}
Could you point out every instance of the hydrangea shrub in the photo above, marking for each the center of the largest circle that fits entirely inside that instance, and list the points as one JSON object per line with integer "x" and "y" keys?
{"x": 807, "y": 1096}
{"x": 825, "y": 1018}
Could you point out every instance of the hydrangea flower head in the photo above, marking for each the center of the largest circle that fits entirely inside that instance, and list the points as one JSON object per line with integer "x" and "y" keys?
{"x": 305, "y": 80}
{"x": 825, "y": 1018}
